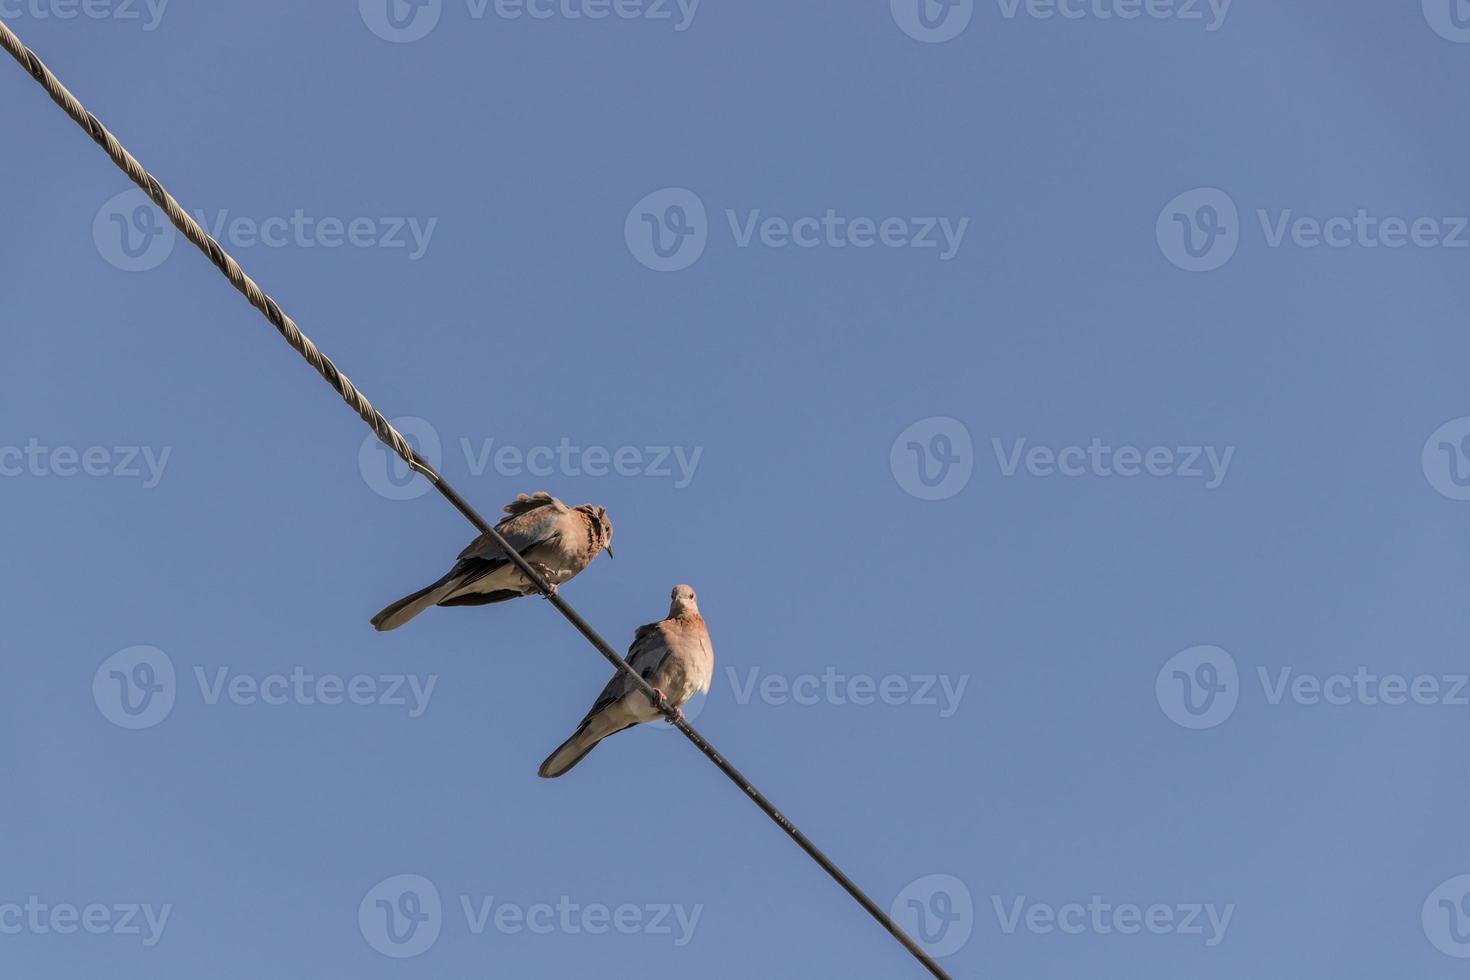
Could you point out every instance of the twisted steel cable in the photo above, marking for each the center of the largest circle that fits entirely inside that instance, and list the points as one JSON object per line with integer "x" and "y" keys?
{"x": 395, "y": 440}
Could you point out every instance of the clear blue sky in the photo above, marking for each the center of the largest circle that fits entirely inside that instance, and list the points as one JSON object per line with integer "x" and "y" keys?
{"x": 465, "y": 222}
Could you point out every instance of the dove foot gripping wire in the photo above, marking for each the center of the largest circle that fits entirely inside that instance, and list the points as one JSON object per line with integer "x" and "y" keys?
{"x": 674, "y": 652}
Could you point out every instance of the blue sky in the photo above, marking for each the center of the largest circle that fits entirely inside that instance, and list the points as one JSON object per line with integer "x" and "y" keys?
{"x": 1058, "y": 407}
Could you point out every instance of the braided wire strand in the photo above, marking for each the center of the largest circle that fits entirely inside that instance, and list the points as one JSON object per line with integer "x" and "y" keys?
{"x": 222, "y": 260}
{"x": 395, "y": 440}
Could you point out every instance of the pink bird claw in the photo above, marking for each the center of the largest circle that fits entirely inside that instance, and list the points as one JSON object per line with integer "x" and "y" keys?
{"x": 661, "y": 702}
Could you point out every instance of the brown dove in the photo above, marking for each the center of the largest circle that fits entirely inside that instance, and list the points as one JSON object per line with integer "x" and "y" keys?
{"x": 674, "y": 656}
{"x": 556, "y": 540}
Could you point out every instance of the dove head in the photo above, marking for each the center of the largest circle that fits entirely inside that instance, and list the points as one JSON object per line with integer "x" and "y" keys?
{"x": 601, "y": 527}
{"x": 683, "y": 602}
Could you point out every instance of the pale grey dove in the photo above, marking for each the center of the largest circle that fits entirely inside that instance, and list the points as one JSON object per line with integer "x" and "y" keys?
{"x": 556, "y": 540}
{"x": 675, "y": 656}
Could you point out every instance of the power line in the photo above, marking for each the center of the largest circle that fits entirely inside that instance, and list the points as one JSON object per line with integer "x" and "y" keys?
{"x": 391, "y": 437}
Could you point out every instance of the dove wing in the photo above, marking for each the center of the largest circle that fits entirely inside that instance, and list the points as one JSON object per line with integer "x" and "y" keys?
{"x": 647, "y": 654}
{"x": 533, "y": 520}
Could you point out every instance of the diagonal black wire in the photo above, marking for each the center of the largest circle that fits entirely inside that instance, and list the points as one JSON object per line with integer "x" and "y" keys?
{"x": 395, "y": 441}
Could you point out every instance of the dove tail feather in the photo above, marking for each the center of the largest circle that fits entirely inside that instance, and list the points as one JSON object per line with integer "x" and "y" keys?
{"x": 482, "y": 598}
{"x": 567, "y": 755}
{"x": 410, "y": 606}
{"x": 573, "y": 751}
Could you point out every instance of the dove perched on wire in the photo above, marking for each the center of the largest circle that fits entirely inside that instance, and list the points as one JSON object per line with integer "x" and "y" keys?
{"x": 674, "y": 656}
{"x": 556, "y": 540}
